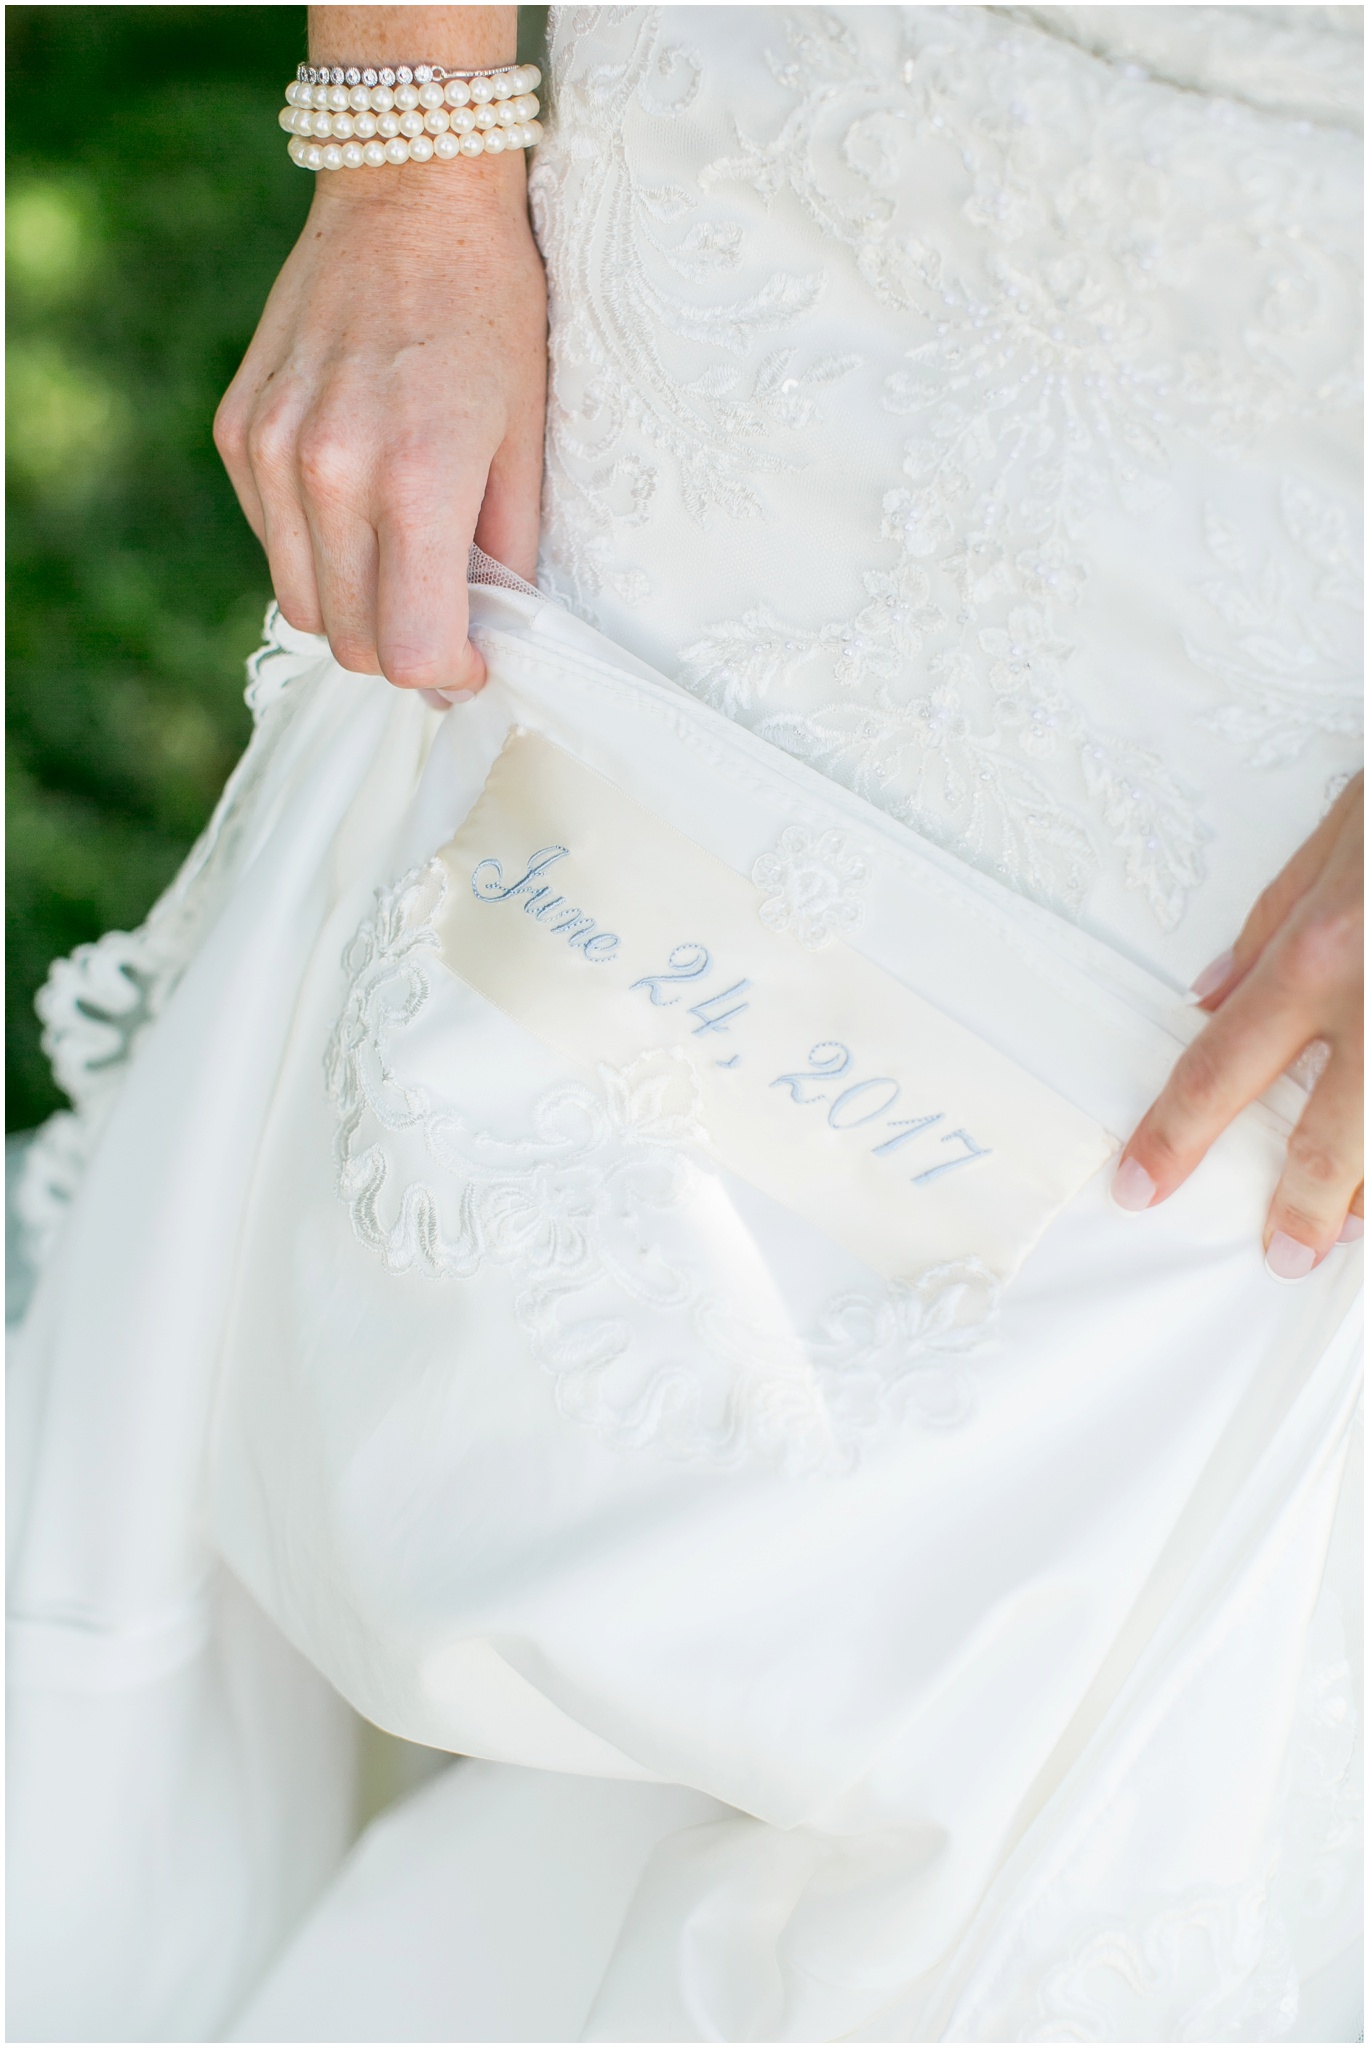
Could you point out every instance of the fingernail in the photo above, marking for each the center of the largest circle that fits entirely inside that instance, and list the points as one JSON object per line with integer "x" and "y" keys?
{"x": 1132, "y": 1186}
{"x": 1286, "y": 1259}
{"x": 1351, "y": 1230}
{"x": 1213, "y": 975}
{"x": 434, "y": 699}
{"x": 457, "y": 696}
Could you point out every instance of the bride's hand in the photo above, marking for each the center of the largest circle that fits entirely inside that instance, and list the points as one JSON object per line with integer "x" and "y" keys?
{"x": 1296, "y": 973}
{"x": 390, "y": 409}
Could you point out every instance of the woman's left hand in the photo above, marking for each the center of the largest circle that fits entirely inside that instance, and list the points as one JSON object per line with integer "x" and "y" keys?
{"x": 1296, "y": 973}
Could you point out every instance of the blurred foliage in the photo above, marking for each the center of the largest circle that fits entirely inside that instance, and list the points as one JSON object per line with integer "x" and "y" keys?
{"x": 140, "y": 245}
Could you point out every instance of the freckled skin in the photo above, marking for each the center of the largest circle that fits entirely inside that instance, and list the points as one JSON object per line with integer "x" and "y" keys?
{"x": 390, "y": 407}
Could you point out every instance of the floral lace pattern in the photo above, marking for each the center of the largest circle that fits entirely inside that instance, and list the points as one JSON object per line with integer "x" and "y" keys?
{"x": 587, "y": 1215}
{"x": 813, "y": 885}
{"x": 1024, "y": 240}
{"x": 1293, "y": 628}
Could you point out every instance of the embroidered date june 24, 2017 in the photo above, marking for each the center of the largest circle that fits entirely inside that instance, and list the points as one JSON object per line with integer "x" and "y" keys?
{"x": 858, "y": 1106}
{"x": 864, "y": 1136}
{"x": 862, "y": 1105}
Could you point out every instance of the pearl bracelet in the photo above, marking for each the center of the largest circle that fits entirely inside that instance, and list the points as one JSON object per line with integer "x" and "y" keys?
{"x": 341, "y": 126}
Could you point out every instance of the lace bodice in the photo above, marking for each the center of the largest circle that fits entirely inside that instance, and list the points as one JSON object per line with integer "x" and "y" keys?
{"x": 966, "y": 400}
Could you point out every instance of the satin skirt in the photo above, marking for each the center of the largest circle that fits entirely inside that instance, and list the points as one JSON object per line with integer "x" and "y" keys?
{"x": 599, "y": 1261}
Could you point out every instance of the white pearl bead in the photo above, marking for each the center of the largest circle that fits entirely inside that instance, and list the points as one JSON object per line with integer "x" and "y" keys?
{"x": 337, "y": 99}
{"x": 505, "y": 111}
{"x": 354, "y": 156}
{"x": 437, "y": 121}
{"x": 387, "y": 126}
{"x": 297, "y": 149}
{"x": 495, "y": 144}
{"x": 411, "y": 122}
{"x": 532, "y": 78}
{"x": 290, "y": 92}
{"x": 420, "y": 149}
{"x": 473, "y": 145}
{"x": 322, "y": 125}
{"x": 446, "y": 147}
{"x": 481, "y": 90}
{"x": 382, "y": 99}
{"x": 406, "y": 96}
{"x": 533, "y": 131}
{"x": 313, "y": 156}
{"x": 374, "y": 153}
{"x": 529, "y": 106}
{"x": 397, "y": 150}
{"x": 485, "y": 117}
{"x": 344, "y": 127}
{"x": 463, "y": 120}
{"x": 513, "y": 137}
{"x": 364, "y": 125}
{"x": 430, "y": 95}
{"x": 286, "y": 117}
{"x": 456, "y": 92}
{"x": 503, "y": 85}
{"x": 359, "y": 99}
{"x": 332, "y": 158}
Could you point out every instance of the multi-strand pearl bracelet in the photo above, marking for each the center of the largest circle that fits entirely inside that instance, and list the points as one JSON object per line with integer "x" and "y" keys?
{"x": 341, "y": 117}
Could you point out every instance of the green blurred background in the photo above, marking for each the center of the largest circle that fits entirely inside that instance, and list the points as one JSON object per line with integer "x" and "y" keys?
{"x": 142, "y": 237}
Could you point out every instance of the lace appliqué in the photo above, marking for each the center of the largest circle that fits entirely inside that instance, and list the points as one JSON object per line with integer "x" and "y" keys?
{"x": 612, "y": 306}
{"x": 814, "y": 885}
{"x": 588, "y": 1216}
{"x": 97, "y": 1003}
{"x": 1292, "y": 631}
{"x": 1055, "y": 355}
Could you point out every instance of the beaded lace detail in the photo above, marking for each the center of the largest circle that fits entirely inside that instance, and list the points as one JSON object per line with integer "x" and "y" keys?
{"x": 1010, "y": 299}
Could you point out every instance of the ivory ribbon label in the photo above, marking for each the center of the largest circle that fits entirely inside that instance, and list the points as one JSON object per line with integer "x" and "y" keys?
{"x": 817, "y": 1076}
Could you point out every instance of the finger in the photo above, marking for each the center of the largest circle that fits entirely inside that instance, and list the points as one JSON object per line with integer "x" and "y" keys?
{"x": 510, "y": 522}
{"x": 336, "y": 486}
{"x": 272, "y": 448}
{"x": 1274, "y": 904}
{"x": 424, "y": 533}
{"x": 1324, "y": 1168}
{"x": 346, "y": 560}
{"x": 230, "y": 438}
{"x": 1257, "y": 1032}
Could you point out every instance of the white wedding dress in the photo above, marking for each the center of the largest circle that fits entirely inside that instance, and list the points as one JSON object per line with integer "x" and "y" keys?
{"x": 504, "y": 1272}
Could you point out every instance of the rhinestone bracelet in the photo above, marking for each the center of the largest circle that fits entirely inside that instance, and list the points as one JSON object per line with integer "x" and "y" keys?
{"x": 342, "y": 127}
{"x": 405, "y": 74}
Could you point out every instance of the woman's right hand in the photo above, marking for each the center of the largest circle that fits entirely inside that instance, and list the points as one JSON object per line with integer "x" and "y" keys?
{"x": 390, "y": 408}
